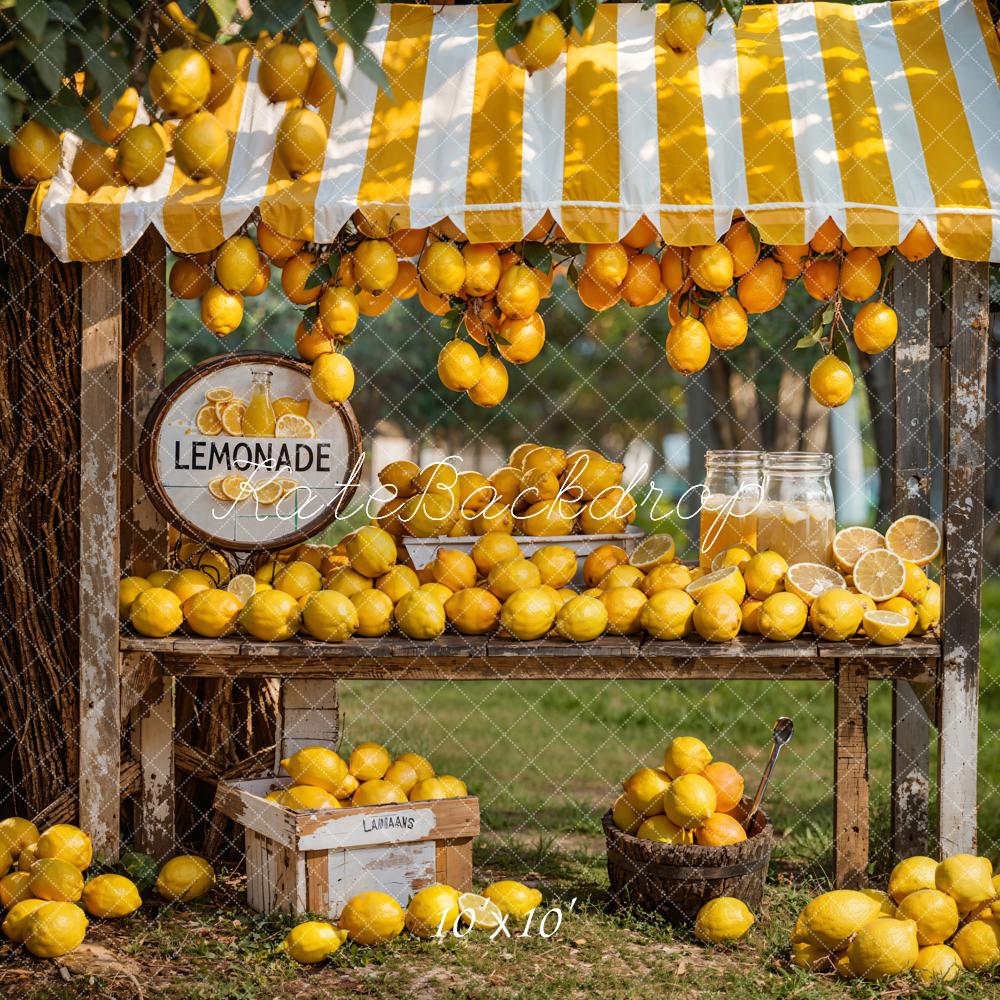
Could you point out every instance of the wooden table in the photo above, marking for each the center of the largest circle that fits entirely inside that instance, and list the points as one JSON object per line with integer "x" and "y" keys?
{"x": 314, "y": 667}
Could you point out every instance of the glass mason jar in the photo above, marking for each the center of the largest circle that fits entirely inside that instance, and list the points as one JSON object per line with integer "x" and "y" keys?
{"x": 796, "y": 516}
{"x": 729, "y": 502}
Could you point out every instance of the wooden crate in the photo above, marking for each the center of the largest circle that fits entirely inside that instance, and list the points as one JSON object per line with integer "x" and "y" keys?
{"x": 316, "y": 861}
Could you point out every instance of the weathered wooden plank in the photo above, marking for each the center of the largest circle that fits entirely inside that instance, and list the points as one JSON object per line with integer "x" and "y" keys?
{"x": 156, "y": 759}
{"x": 924, "y": 647}
{"x": 454, "y": 863}
{"x": 318, "y": 881}
{"x": 850, "y": 775}
{"x": 100, "y": 413}
{"x": 309, "y": 716}
{"x": 965, "y": 449}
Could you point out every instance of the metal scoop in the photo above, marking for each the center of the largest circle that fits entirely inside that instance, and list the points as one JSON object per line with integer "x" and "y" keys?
{"x": 781, "y": 734}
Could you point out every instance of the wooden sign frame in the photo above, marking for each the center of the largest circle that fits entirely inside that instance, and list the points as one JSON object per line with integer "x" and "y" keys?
{"x": 154, "y": 423}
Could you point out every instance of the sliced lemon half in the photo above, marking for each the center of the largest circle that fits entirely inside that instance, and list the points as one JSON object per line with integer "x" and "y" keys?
{"x": 914, "y": 538}
{"x": 220, "y": 394}
{"x": 268, "y": 493}
{"x": 215, "y": 488}
{"x": 232, "y": 417}
{"x": 885, "y": 628}
{"x": 236, "y": 487}
{"x": 808, "y": 580}
{"x": 850, "y": 544}
{"x": 479, "y": 911}
{"x": 291, "y": 425}
{"x": 208, "y": 422}
{"x": 879, "y": 574}
{"x": 242, "y": 586}
{"x": 653, "y": 551}
{"x": 728, "y": 580}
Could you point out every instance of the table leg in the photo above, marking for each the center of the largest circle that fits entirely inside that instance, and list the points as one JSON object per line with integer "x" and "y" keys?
{"x": 850, "y": 809}
{"x": 156, "y": 760}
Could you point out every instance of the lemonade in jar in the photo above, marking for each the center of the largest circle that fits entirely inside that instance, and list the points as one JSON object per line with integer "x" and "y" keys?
{"x": 259, "y": 419}
{"x": 729, "y": 503}
{"x": 797, "y": 517}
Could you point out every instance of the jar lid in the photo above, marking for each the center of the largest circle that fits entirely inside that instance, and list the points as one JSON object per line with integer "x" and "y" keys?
{"x": 797, "y": 461}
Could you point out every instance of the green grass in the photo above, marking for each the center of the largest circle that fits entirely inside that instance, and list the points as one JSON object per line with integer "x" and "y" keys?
{"x": 545, "y": 759}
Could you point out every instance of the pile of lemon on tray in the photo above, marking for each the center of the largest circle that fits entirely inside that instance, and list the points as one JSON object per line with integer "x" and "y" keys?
{"x": 937, "y": 919}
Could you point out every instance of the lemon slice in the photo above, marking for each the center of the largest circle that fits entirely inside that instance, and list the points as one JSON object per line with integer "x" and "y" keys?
{"x": 220, "y": 394}
{"x": 268, "y": 493}
{"x": 232, "y": 417}
{"x": 207, "y": 421}
{"x": 808, "y": 580}
{"x": 728, "y": 580}
{"x": 479, "y": 911}
{"x": 850, "y": 544}
{"x": 242, "y": 586}
{"x": 914, "y": 538}
{"x": 879, "y": 574}
{"x": 885, "y": 628}
{"x": 289, "y": 404}
{"x": 288, "y": 486}
{"x": 291, "y": 425}
{"x": 215, "y": 488}
{"x": 653, "y": 551}
{"x": 235, "y": 487}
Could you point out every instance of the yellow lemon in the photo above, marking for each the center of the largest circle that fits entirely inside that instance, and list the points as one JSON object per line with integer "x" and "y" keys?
{"x": 16, "y": 833}
{"x": 689, "y": 801}
{"x": 201, "y": 148}
{"x": 402, "y": 775}
{"x": 764, "y": 574}
{"x": 428, "y": 788}
{"x": 669, "y": 576}
{"x": 458, "y": 366}
{"x": 94, "y": 167}
{"x": 513, "y": 898}
{"x": 644, "y": 790}
{"x": 55, "y": 879}
{"x": 916, "y": 584}
{"x": 185, "y": 878}
{"x": 419, "y": 764}
{"x": 317, "y": 766}
{"x": 14, "y": 889}
{"x": 966, "y": 878}
{"x": 663, "y": 831}
{"x": 883, "y": 948}
{"x": 978, "y": 943}
{"x": 511, "y": 575}
{"x": 544, "y": 43}
{"x": 371, "y": 551}
{"x": 284, "y": 73}
{"x": 34, "y": 153}
{"x": 832, "y": 919}
{"x": 728, "y": 784}
{"x": 482, "y": 268}
{"x": 141, "y": 155}
{"x": 478, "y": 911}
{"x": 901, "y": 606}
{"x": 518, "y": 292}
{"x": 111, "y": 896}
{"x": 54, "y": 929}
{"x": 782, "y": 617}
{"x": 187, "y": 582}
{"x": 528, "y": 614}
{"x": 307, "y": 797}
{"x": 397, "y": 582}
{"x": 346, "y": 581}
{"x": 312, "y": 941}
{"x": 885, "y": 628}
{"x": 329, "y": 616}
{"x": 212, "y": 613}
{"x": 66, "y": 842}
{"x": 581, "y": 619}
{"x": 374, "y": 611}
{"x": 875, "y": 327}
{"x": 15, "y": 923}
{"x": 624, "y": 606}
{"x": 831, "y": 381}
{"x": 625, "y": 817}
{"x": 433, "y": 910}
{"x": 724, "y": 918}
{"x": 717, "y": 617}
{"x": 688, "y": 346}
{"x": 556, "y": 565}
{"x": 372, "y": 918}
{"x": 667, "y": 614}
{"x": 156, "y": 613}
{"x": 454, "y": 569}
{"x": 441, "y": 268}
{"x": 911, "y": 875}
{"x": 934, "y": 912}
{"x": 368, "y": 761}
{"x": 622, "y": 576}
{"x": 836, "y": 614}
{"x": 271, "y": 616}
{"x": 377, "y": 792}
{"x": 728, "y": 581}
{"x": 938, "y": 961}
{"x": 332, "y": 378}
{"x": 685, "y": 26}
{"x": 420, "y": 615}
{"x": 686, "y": 755}
{"x": 455, "y": 787}
{"x": 473, "y": 611}
{"x": 928, "y": 609}
{"x": 179, "y": 81}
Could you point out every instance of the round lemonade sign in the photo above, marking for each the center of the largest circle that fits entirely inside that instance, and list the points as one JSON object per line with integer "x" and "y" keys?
{"x": 240, "y": 453}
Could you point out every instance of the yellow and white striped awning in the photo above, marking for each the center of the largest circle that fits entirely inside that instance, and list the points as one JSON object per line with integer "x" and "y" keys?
{"x": 875, "y": 115}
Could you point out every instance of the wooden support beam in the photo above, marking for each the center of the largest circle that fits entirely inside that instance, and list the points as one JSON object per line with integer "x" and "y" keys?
{"x": 965, "y": 448}
{"x": 100, "y": 457}
{"x": 850, "y": 775}
{"x": 156, "y": 761}
{"x": 911, "y": 478}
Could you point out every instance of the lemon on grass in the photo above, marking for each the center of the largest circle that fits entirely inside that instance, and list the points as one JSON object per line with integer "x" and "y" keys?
{"x": 581, "y": 619}
{"x": 156, "y": 613}
{"x": 55, "y": 879}
{"x": 968, "y": 879}
{"x": 420, "y": 615}
{"x": 911, "y": 875}
{"x": 312, "y": 941}
{"x": 479, "y": 912}
{"x": 668, "y": 614}
{"x": 938, "y": 961}
{"x": 686, "y": 755}
{"x": 832, "y": 919}
{"x": 431, "y": 911}
{"x": 978, "y": 943}
{"x": 319, "y": 766}
{"x": 883, "y": 948}
{"x": 728, "y": 580}
{"x": 54, "y": 929}
{"x": 185, "y": 878}
{"x": 722, "y": 919}
{"x": 934, "y": 912}
{"x": 513, "y": 898}
{"x": 111, "y": 896}
{"x": 372, "y": 918}
{"x": 717, "y": 617}
{"x": 66, "y": 842}
{"x": 885, "y": 628}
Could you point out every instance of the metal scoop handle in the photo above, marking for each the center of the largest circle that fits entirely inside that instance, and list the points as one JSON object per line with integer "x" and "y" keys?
{"x": 781, "y": 734}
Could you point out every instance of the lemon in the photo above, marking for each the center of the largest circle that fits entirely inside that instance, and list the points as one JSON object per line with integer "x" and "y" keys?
{"x": 332, "y": 378}
{"x": 622, "y": 576}
{"x": 482, "y": 268}
{"x": 374, "y": 611}
{"x": 378, "y": 792}
{"x": 346, "y": 581}
{"x": 372, "y": 918}
{"x": 808, "y": 580}
{"x": 179, "y": 82}
{"x": 375, "y": 265}
{"x": 544, "y": 43}
{"x": 915, "y": 584}
{"x": 34, "y": 152}
{"x": 831, "y": 381}
{"x": 14, "y": 888}
{"x": 300, "y": 142}
{"x": 458, "y": 366}
{"x": 474, "y": 611}
{"x": 911, "y": 875}
{"x": 454, "y": 569}
{"x": 397, "y": 582}
{"x": 141, "y": 155}
{"x": 478, "y": 911}
{"x": 156, "y": 613}
{"x": 808, "y": 956}
{"x": 329, "y": 616}
{"x": 93, "y": 166}
{"x": 928, "y": 609}
{"x": 717, "y": 617}
{"x": 934, "y": 912}
{"x": 402, "y": 775}
{"x": 728, "y": 580}
{"x": 625, "y": 606}
{"x": 836, "y": 614}
{"x": 284, "y": 73}
{"x": 429, "y": 788}
{"x": 15, "y": 923}
{"x": 429, "y": 514}
{"x": 511, "y": 575}
{"x": 111, "y": 896}
{"x": 668, "y": 576}
{"x": 735, "y": 555}
{"x": 978, "y": 943}
{"x": 849, "y": 544}
{"x": 222, "y": 312}
{"x": 66, "y": 842}
{"x": 644, "y": 790}
{"x": 938, "y": 961}
{"x": 513, "y": 898}
{"x": 187, "y": 582}
{"x": 884, "y": 948}
{"x": 556, "y": 565}
{"x": 185, "y": 878}
{"x": 371, "y": 551}
{"x": 54, "y": 929}
{"x": 55, "y": 879}
{"x": 518, "y": 293}
{"x": 317, "y": 766}
{"x": 686, "y": 755}
{"x": 723, "y": 919}
{"x": 764, "y": 574}
{"x": 915, "y": 539}
{"x": 831, "y": 919}
{"x": 433, "y": 910}
{"x": 581, "y": 619}
{"x": 312, "y": 941}
{"x": 160, "y": 577}
{"x": 212, "y": 613}
{"x": 419, "y": 764}
{"x": 6, "y": 860}
{"x": 663, "y": 831}
{"x": 668, "y": 614}
{"x": 528, "y": 614}
{"x": 625, "y": 817}
{"x": 782, "y": 617}
{"x": 711, "y": 266}
{"x": 201, "y": 148}
{"x": 441, "y": 268}
{"x": 884, "y": 900}
{"x": 455, "y": 787}
{"x": 685, "y": 26}
{"x": 420, "y": 615}
{"x": 689, "y": 801}
{"x": 128, "y": 590}
{"x": 901, "y": 606}
{"x": 885, "y": 628}
{"x": 369, "y": 761}
{"x": 26, "y": 858}
{"x": 304, "y": 797}
{"x": 495, "y": 518}
{"x": 271, "y": 616}
{"x": 966, "y": 878}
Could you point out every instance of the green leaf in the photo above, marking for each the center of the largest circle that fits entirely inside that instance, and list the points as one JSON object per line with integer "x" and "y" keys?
{"x": 32, "y": 17}
{"x": 326, "y": 48}
{"x": 509, "y": 31}
{"x": 538, "y": 255}
{"x": 888, "y": 263}
{"x": 48, "y": 59}
{"x": 224, "y": 11}
{"x": 581, "y": 13}
{"x": 528, "y": 10}
{"x": 321, "y": 274}
{"x": 827, "y": 314}
{"x": 573, "y": 274}
{"x": 352, "y": 22}
{"x": 839, "y": 346}
{"x": 65, "y": 112}
{"x": 563, "y": 248}
{"x": 6, "y": 118}
{"x": 810, "y": 340}
{"x": 274, "y": 16}
{"x": 734, "y": 8}
{"x": 310, "y": 317}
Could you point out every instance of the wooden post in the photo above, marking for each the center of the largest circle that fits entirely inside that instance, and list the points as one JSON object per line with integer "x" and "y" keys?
{"x": 965, "y": 440}
{"x": 850, "y": 774}
{"x": 100, "y": 456}
{"x": 156, "y": 761}
{"x": 911, "y": 495}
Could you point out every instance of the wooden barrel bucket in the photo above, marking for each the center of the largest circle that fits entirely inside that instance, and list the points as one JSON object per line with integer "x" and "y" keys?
{"x": 676, "y": 880}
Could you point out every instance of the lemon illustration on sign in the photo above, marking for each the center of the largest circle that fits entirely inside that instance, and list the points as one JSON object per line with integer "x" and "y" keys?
{"x": 312, "y": 941}
{"x": 332, "y": 378}
{"x": 111, "y": 896}
{"x": 723, "y": 919}
{"x": 432, "y": 910}
{"x": 54, "y": 929}
{"x": 185, "y": 878}
{"x": 372, "y": 918}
